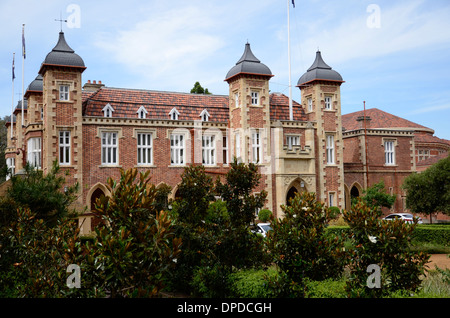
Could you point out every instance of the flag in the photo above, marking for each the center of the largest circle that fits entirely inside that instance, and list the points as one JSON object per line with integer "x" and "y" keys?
{"x": 23, "y": 41}
{"x": 13, "y": 75}
{"x": 293, "y": 3}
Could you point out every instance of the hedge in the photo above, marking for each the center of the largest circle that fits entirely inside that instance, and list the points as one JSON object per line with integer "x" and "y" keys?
{"x": 424, "y": 233}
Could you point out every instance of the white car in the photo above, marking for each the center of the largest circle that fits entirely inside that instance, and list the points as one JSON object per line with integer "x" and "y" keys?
{"x": 407, "y": 217}
{"x": 262, "y": 228}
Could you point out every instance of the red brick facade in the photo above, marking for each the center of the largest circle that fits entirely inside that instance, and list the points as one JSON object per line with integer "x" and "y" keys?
{"x": 105, "y": 125}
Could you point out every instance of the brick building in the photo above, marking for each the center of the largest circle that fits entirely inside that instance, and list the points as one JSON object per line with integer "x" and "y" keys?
{"x": 93, "y": 131}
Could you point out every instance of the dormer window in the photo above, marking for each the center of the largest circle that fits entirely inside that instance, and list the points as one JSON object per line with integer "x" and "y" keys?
{"x": 108, "y": 110}
{"x": 174, "y": 114}
{"x": 142, "y": 112}
{"x": 204, "y": 115}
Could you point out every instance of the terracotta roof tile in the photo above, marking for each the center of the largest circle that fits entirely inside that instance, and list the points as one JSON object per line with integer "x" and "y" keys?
{"x": 279, "y": 108}
{"x": 379, "y": 119}
{"x": 126, "y": 103}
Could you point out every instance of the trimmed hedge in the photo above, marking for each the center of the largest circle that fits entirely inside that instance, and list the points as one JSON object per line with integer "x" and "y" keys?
{"x": 432, "y": 233}
{"x": 424, "y": 233}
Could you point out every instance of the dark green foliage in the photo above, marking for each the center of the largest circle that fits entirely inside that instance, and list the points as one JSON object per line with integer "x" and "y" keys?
{"x": 136, "y": 246}
{"x": 45, "y": 194}
{"x": 198, "y": 89}
{"x": 377, "y": 197}
{"x": 300, "y": 246}
{"x": 264, "y": 215}
{"x": 429, "y": 191}
{"x": 383, "y": 243}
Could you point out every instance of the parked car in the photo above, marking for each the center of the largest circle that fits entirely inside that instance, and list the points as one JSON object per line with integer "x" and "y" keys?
{"x": 407, "y": 217}
{"x": 262, "y": 228}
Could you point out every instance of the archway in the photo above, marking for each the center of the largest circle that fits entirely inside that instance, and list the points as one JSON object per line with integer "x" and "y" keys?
{"x": 295, "y": 187}
{"x": 96, "y": 220}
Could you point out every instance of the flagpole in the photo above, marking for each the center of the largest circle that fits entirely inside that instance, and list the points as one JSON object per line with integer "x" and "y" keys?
{"x": 291, "y": 115}
{"x": 12, "y": 102}
{"x": 23, "y": 67}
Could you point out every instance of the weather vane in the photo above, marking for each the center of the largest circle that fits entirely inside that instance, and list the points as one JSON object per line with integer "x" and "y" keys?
{"x": 60, "y": 20}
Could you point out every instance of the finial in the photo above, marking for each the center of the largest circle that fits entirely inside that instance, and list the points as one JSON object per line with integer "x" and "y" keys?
{"x": 60, "y": 20}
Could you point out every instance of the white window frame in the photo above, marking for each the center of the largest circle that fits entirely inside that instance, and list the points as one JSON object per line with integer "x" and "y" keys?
{"x": 389, "y": 152}
{"x": 11, "y": 165}
{"x": 208, "y": 150}
{"x": 254, "y": 98}
{"x": 110, "y": 148}
{"x": 237, "y": 141}
{"x": 34, "y": 152}
{"x": 108, "y": 111}
{"x": 174, "y": 113}
{"x": 236, "y": 99}
{"x": 331, "y": 199}
{"x": 64, "y": 147}
{"x": 142, "y": 113}
{"x": 330, "y": 149}
{"x": 177, "y": 149}
{"x": 292, "y": 140}
{"x": 204, "y": 115}
{"x": 310, "y": 105}
{"x": 144, "y": 148}
{"x": 328, "y": 102}
{"x": 256, "y": 147}
{"x": 64, "y": 90}
{"x": 225, "y": 149}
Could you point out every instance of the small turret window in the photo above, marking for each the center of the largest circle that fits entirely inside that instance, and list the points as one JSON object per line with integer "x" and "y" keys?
{"x": 255, "y": 98}
{"x": 327, "y": 102}
{"x": 64, "y": 92}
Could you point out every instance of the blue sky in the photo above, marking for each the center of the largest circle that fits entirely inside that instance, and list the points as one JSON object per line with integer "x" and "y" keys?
{"x": 395, "y": 55}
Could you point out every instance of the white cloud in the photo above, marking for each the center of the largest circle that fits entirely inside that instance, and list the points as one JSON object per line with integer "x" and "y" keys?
{"x": 404, "y": 26}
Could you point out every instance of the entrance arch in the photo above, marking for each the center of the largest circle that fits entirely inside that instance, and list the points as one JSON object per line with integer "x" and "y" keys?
{"x": 296, "y": 186}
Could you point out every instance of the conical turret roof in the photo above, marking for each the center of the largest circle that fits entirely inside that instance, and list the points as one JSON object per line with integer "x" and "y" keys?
{"x": 248, "y": 64}
{"x": 319, "y": 70}
{"x": 62, "y": 54}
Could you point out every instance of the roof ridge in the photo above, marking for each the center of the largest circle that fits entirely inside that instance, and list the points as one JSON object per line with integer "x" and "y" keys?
{"x": 160, "y": 91}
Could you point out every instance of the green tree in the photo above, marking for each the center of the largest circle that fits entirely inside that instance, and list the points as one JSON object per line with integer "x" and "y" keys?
{"x": 377, "y": 197}
{"x": 385, "y": 244}
{"x": 136, "y": 247}
{"x": 45, "y": 194}
{"x": 429, "y": 192}
{"x": 300, "y": 247}
{"x": 198, "y": 89}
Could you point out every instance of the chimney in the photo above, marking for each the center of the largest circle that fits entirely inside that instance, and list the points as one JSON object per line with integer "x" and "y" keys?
{"x": 93, "y": 87}
{"x": 361, "y": 121}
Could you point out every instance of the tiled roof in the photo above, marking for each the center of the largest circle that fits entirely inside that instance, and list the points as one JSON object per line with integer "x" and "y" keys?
{"x": 279, "y": 108}
{"x": 379, "y": 119}
{"x": 428, "y": 138}
{"x": 126, "y": 103}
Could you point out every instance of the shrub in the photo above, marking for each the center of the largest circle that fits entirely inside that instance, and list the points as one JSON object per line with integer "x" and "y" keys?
{"x": 386, "y": 244}
{"x": 264, "y": 215}
{"x": 251, "y": 283}
{"x": 439, "y": 234}
{"x": 136, "y": 246}
{"x": 300, "y": 246}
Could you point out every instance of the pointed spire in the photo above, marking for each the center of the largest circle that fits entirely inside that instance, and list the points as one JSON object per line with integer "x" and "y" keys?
{"x": 62, "y": 45}
{"x": 319, "y": 63}
{"x": 248, "y": 64}
{"x": 248, "y": 55}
